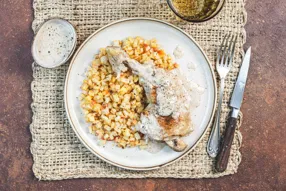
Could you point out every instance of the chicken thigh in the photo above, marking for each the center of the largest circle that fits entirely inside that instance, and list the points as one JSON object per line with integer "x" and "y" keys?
{"x": 167, "y": 116}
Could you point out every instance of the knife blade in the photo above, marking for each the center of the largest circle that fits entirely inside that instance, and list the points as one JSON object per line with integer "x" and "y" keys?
{"x": 239, "y": 87}
{"x": 235, "y": 103}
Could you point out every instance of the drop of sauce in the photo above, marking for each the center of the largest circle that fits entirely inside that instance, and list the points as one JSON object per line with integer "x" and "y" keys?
{"x": 154, "y": 146}
{"x": 178, "y": 52}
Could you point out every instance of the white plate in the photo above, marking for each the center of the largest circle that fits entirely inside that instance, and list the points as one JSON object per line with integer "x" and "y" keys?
{"x": 168, "y": 37}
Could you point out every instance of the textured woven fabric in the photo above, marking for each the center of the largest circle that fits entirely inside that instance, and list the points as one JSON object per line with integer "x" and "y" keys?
{"x": 57, "y": 152}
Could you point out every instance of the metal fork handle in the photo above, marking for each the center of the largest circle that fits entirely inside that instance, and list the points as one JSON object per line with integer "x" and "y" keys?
{"x": 214, "y": 139}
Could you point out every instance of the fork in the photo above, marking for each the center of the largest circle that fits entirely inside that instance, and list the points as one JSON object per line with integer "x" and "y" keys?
{"x": 223, "y": 65}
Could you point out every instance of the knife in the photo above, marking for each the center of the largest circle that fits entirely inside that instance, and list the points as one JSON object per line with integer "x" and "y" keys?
{"x": 235, "y": 103}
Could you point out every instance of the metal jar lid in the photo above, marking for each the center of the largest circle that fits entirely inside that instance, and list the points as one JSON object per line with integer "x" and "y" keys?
{"x": 54, "y": 43}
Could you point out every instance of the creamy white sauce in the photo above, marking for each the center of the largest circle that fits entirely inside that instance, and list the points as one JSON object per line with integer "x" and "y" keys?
{"x": 149, "y": 125}
{"x": 154, "y": 146}
{"x": 166, "y": 101}
{"x": 196, "y": 94}
{"x": 192, "y": 66}
{"x": 54, "y": 43}
{"x": 178, "y": 52}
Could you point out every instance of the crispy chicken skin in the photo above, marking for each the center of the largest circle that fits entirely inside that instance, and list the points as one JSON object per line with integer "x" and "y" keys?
{"x": 175, "y": 127}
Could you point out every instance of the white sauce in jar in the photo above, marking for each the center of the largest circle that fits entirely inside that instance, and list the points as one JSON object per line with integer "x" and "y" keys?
{"x": 54, "y": 43}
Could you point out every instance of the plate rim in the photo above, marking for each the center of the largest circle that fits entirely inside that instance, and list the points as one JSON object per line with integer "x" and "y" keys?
{"x": 82, "y": 139}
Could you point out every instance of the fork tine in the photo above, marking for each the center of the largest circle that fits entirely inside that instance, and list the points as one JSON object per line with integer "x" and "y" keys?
{"x": 219, "y": 52}
{"x": 225, "y": 48}
{"x": 228, "y": 54}
{"x": 232, "y": 51}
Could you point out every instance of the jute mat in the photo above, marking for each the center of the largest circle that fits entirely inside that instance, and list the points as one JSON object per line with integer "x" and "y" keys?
{"x": 57, "y": 152}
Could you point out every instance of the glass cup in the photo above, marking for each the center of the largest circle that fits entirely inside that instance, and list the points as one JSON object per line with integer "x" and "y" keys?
{"x": 196, "y": 10}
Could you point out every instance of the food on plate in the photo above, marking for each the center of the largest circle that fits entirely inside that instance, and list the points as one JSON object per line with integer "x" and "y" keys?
{"x": 134, "y": 92}
{"x": 167, "y": 116}
{"x": 113, "y": 104}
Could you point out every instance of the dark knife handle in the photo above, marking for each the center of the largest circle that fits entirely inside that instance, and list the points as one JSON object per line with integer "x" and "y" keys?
{"x": 224, "y": 152}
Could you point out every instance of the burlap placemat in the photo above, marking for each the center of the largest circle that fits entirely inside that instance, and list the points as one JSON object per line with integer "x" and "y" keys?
{"x": 57, "y": 152}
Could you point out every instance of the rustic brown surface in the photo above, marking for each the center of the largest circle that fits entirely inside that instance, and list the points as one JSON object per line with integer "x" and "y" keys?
{"x": 263, "y": 165}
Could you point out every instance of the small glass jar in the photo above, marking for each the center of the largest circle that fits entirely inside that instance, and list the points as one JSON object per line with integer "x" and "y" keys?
{"x": 196, "y": 10}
